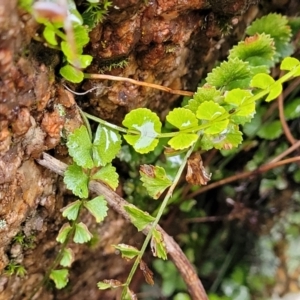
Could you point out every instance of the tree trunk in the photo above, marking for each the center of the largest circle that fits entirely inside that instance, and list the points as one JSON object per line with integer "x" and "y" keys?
{"x": 171, "y": 43}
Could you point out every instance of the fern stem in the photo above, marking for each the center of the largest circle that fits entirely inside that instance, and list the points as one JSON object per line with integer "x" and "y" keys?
{"x": 58, "y": 257}
{"x": 59, "y": 33}
{"x": 155, "y": 222}
{"x": 86, "y": 122}
{"x": 107, "y": 124}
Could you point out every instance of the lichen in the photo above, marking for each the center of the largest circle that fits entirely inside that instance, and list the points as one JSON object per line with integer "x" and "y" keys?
{"x": 3, "y": 224}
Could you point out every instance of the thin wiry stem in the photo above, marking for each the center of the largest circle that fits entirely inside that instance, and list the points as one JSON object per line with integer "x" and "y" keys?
{"x": 284, "y": 124}
{"x": 140, "y": 83}
{"x": 155, "y": 222}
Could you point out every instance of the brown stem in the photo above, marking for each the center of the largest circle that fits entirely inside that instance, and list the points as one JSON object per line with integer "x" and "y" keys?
{"x": 206, "y": 219}
{"x": 141, "y": 83}
{"x": 284, "y": 124}
{"x": 262, "y": 169}
{"x": 286, "y": 152}
{"x": 117, "y": 203}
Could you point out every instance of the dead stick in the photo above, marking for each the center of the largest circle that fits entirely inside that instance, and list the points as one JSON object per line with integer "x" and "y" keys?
{"x": 262, "y": 169}
{"x": 117, "y": 203}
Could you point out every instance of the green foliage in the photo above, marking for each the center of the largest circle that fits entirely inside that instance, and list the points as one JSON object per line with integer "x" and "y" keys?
{"x": 97, "y": 207}
{"x": 266, "y": 82}
{"x": 182, "y": 118}
{"x": 87, "y": 155}
{"x": 81, "y": 39}
{"x": 77, "y": 181}
{"x": 49, "y": 35}
{"x": 277, "y": 27}
{"x": 231, "y": 74}
{"x": 67, "y": 30}
{"x": 80, "y": 146}
{"x": 211, "y": 119}
{"x": 71, "y": 211}
{"x": 120, "y": 63}
{"x": 63, "y": 233}
{"x": 155, "y": 180}
{"x": 204, "y": 93}
{"x": 27, "y": 242}
{"x": 60, "y": 277}
{"x": 211, "y": 111}
{"x": 67, "y": 257}
{"x": 14, "y": 268}
{"x": 113, "y": 284}
{"x": 108, "y": 284}
{"x": 102, "y": 285}
{"x": 107, "y": 144}
{"x": 231, "y": 139}
{"x": 270, "y": 131}
{"x": 107, "y": 175}
{"x": 158, "y": 246}
{"x": 258, "y": 50}
{"x": 182, "y": 296}
{"x": 289, "y": 63}
{"x": 128, "y": 252}
{"x": 148, "y": 127}
{"x": 183, "y": 141}
{"x": 138, "y": 218}
{"x": 20, "y": 238}
{"x": 171, "y": 280}
{"x": 241, "y": 105}
{"x": 25, "y": 4}
{"x": 64, "y": 30}
{"x": 95, "y": 12}
{"x": 91, "y": 162}
{"x": 292, "y": 109}
{"x": 71, "y": 74}
{"x": 82, "y": 234}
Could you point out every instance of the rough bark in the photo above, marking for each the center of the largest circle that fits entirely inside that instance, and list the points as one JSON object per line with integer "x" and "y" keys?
{"x": 172, "y": 43}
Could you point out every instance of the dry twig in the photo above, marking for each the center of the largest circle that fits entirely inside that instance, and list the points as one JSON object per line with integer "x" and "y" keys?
{"x": 117, "y": 203}
{"x": 262, "y": 169}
